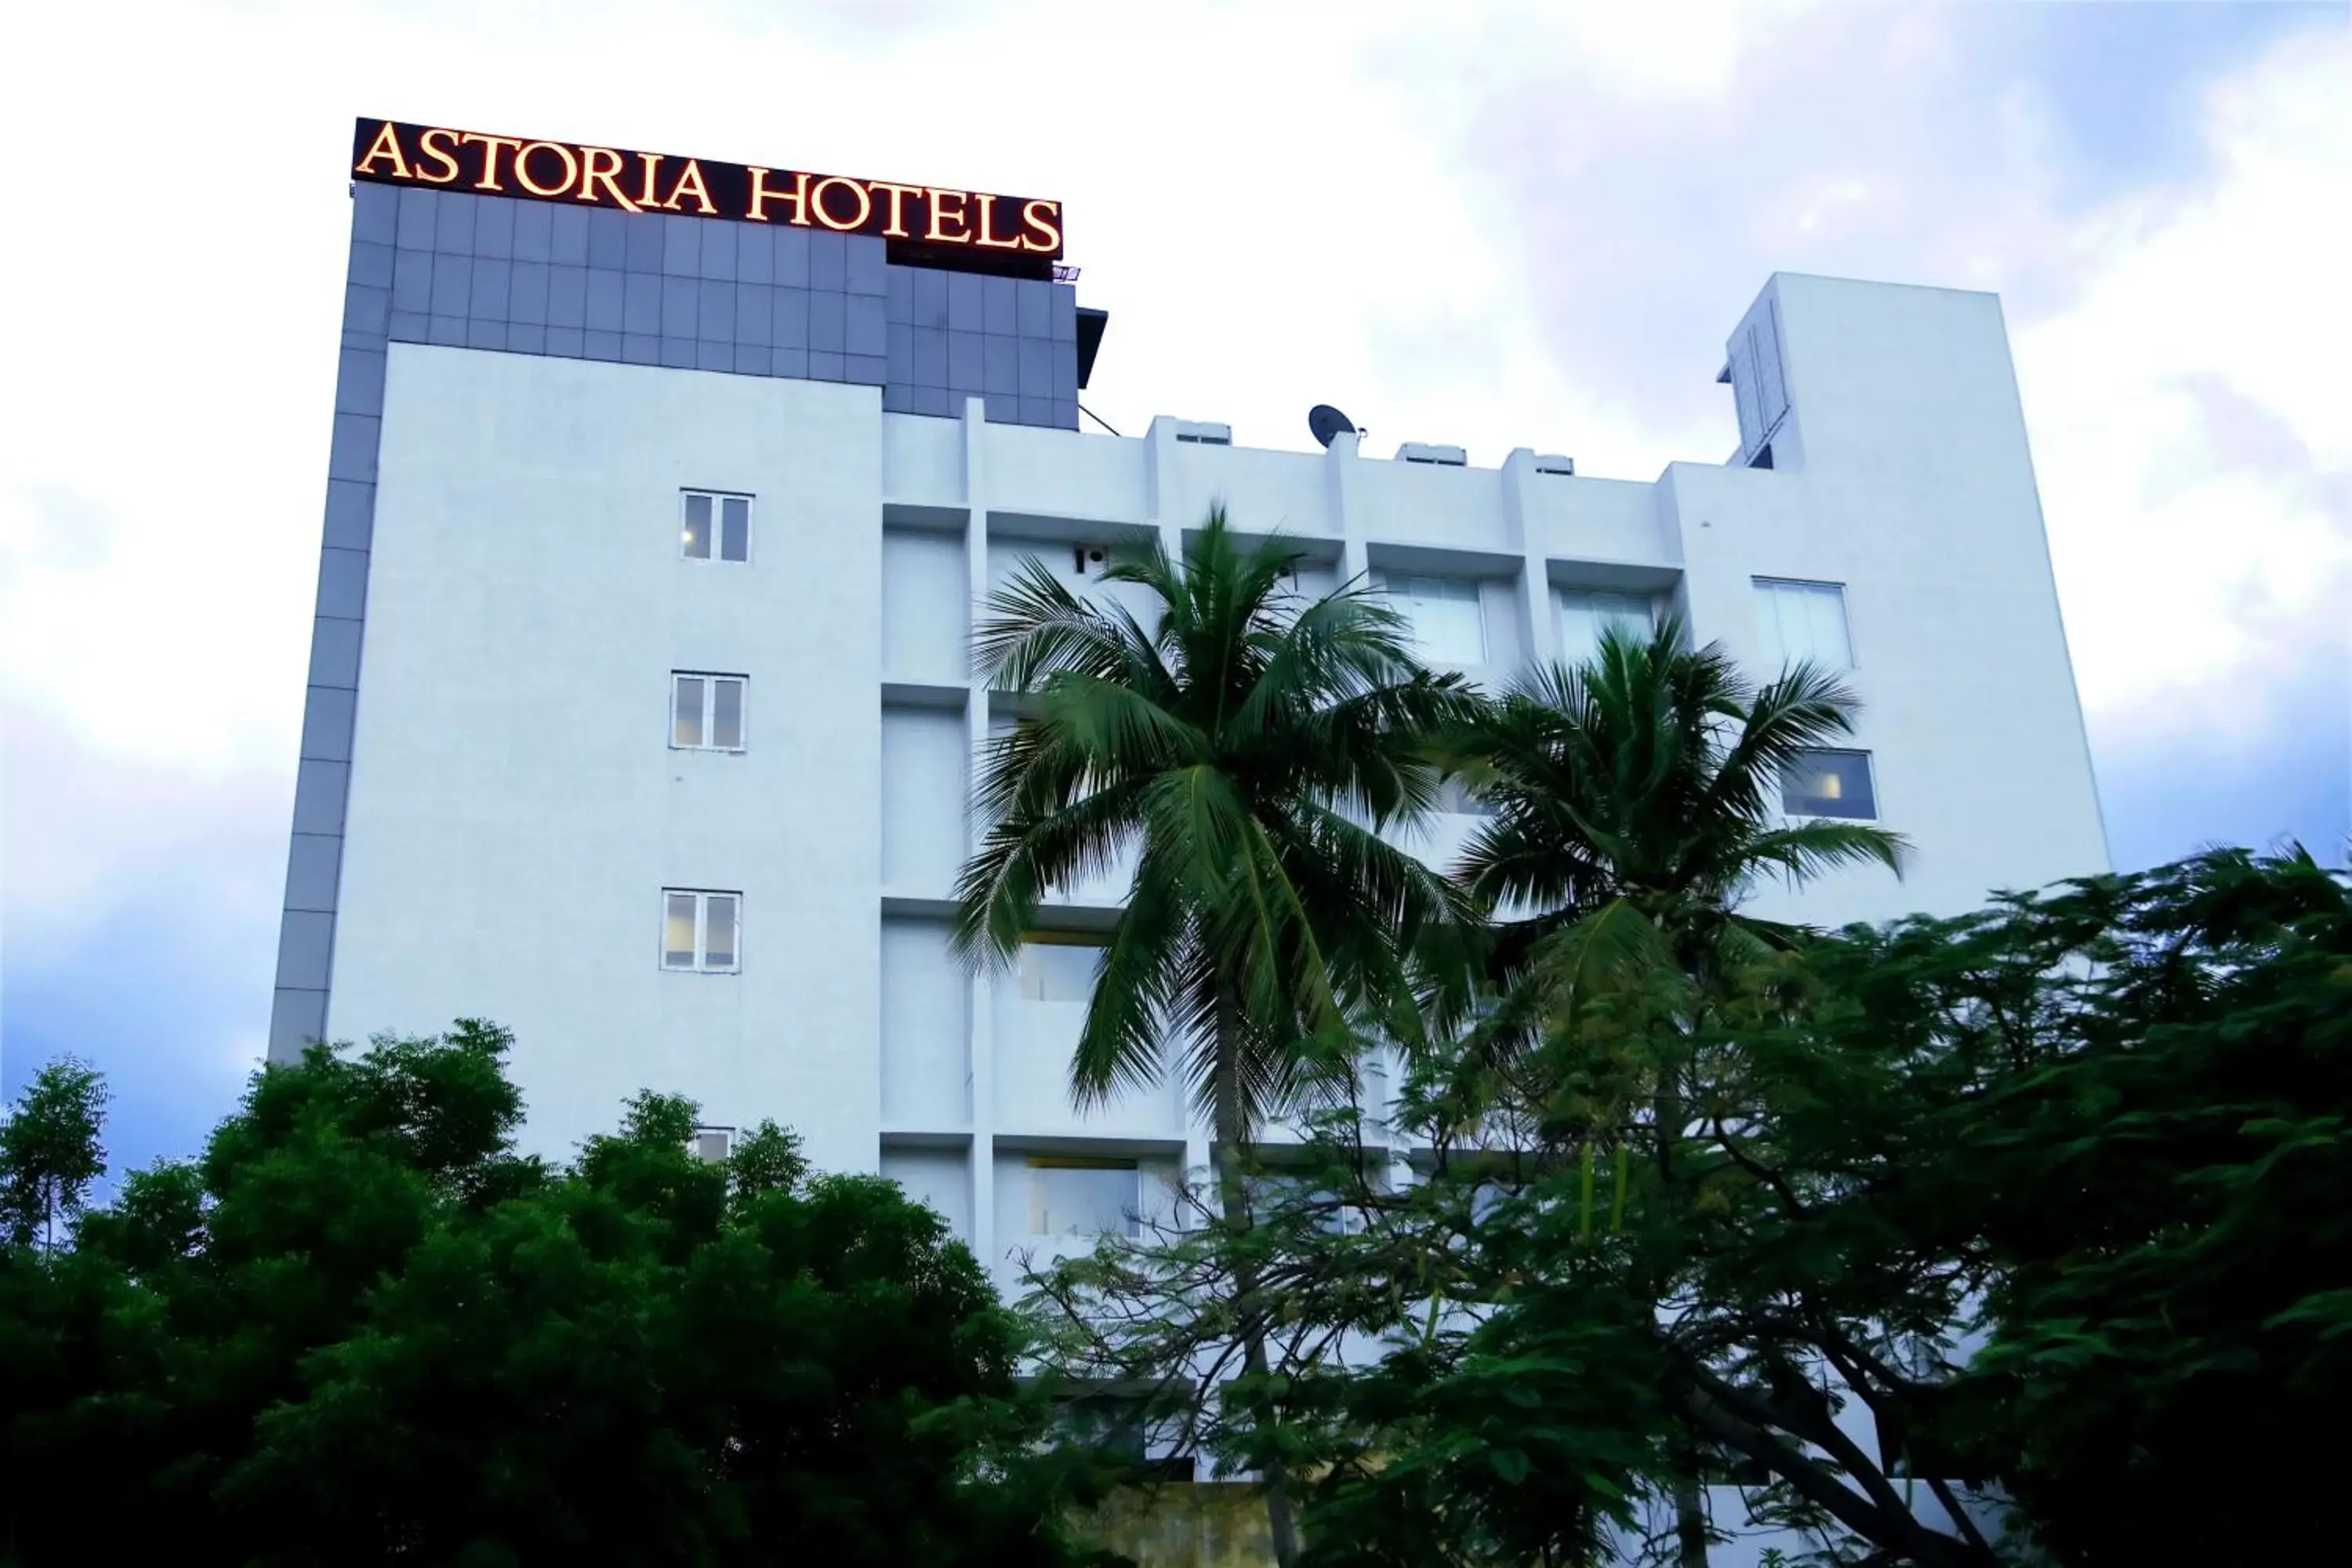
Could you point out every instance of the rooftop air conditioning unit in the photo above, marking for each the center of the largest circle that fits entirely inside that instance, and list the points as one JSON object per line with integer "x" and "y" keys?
{"x": 1423, "y": 452}
{"x": 1204, "y": 433}
{"x": 1553, "y": 463}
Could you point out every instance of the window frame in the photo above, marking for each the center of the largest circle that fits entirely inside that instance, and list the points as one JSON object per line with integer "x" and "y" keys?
{"x": 718, "y": 525}
{"x": 1398, "y": 584}
{"x": 1132, "y": 1220}
{"x": 1563, "y": 593}
{"x": 1757, "y": 586}
{"x": 701, "y": 964}
{"x": 1088, "y": 942}
{"x": 1869, "y": 775}
{"x": 710, "y": 678}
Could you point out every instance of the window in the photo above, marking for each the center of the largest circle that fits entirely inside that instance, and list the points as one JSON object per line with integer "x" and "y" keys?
{"x": 1058, "y": 970}
{"x": 1829, "y": 783}
{"x": 1447, "y": 625}
{"x": 713, "y": 1143}
{"x": 1803, "y": 621}
{"x": 732, "y": 517}
{"x": 1586, "y": 616}
{"x": 702, "y": 931}
{"x": 706, "y": 711}
{"x": 1074, "y": 1195}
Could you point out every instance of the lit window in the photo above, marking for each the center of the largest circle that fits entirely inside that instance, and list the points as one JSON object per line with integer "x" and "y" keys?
{"x": 1074, "y": 1195}
{"x": 1055, "y": 971}
{"x": 1802, "y": 622}
{"x": 1447, "y": 625}
{"x": 708, "y": 515}
{"x": 1587, "y": 615}
{"x": 1829, "y": 783}
{"x": 706, "y": 711}
{"x": 702, "y": 931}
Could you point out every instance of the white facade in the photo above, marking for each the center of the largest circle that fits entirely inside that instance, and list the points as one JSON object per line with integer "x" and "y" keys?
{"x": 517, "y": 809}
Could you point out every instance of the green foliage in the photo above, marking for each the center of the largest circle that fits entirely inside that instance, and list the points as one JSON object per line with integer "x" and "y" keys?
{"x": 360, "y": 1328}
{"x": 50, "y": 1151}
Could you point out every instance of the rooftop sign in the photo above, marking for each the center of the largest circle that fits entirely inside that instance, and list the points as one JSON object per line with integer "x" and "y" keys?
{"x": 396, "y": 153}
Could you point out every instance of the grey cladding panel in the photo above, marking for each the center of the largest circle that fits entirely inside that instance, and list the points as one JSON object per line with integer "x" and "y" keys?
{"x": 453, "y": 225}
{"x": 353, "y": 454}
{"x": 334, "y": 651}
{"x": 327, "y": 722}
{"x": 371, "y": 265}
{"x": 359, "y": 383}
{"x": 375, "y": 213}
{"x": 305, "y": 946}
{"x": 681, "y": 245}
{"x": 828, "y": 260}
{"x": 312, "y": 865}
{"x": 318, "y": 789}
{"x": 342, "y": 583}
{"x": 718, "y": 241}
{"x": 864, "y": 326}
{"x": 494, "y": 224}
{"x": 534, "y": 227}
{"x": 1000, "y": 300}
{"x": 415, "y": 231}
{"x": 365, "y": 308}
{"x": 351, "y": 514}
{"x": 755, "y": 255}
{"x": 296, "y": 1017}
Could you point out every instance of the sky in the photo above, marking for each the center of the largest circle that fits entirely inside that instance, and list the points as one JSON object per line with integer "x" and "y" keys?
{"x": 1494, "y": 226}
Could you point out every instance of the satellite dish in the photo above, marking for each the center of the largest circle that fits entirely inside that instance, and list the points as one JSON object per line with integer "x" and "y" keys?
{"x": 1326, "y": 422}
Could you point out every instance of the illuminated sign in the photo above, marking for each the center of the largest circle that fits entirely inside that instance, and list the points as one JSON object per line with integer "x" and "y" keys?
{"x": 395, "y": 154}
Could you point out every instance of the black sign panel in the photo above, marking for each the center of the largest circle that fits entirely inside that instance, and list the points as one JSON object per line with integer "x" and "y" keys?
{"x": 940, "y": 221}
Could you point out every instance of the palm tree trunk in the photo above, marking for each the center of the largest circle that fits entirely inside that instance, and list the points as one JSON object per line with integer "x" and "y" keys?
{"x": 1233, "y": 1198}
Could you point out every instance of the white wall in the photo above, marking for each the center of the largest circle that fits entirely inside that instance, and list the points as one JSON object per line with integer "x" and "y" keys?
{"x": 926, "y": 607}
{"x": 926, "y": 1028}
{"x": 924, "y": 754}
{"x": 940, "y": 1178}
{"x": 515, "y": 810}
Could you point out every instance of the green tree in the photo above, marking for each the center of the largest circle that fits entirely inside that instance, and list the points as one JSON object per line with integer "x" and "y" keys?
{"x": 1634, "y": 801}
{"x": 50, "y": 1151}
{"x": 1248, "y": 746}
{"x": 360, "y": 1328}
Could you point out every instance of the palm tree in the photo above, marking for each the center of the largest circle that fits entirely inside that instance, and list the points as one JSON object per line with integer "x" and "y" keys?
{"x": 1248, "y": 746}
{"x": 1640, "y": 793}
{"x": 1634, "y": 801}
